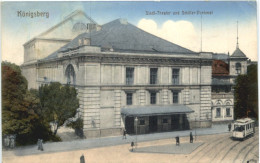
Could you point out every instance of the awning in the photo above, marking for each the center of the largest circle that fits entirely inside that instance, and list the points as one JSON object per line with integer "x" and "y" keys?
{"x": 155, "y": 110}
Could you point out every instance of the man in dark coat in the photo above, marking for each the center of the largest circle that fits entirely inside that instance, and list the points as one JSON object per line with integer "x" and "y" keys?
{"x": 191, "y": 137}
{"x": 177, "y": 140}
{"x": 132, "y": 145}
{"x": 124, "y": 134}
{"x": 82, "y": 159}
{"x": 229, "y": 127}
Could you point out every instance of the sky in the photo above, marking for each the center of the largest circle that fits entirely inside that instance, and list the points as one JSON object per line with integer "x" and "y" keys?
{"x": 218, "y": 25}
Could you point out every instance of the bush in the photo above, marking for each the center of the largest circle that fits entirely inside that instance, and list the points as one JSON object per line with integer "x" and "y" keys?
{"x": 77, "y": 126}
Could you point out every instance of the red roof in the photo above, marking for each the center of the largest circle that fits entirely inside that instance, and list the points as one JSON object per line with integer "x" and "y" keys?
{"x": 220, "y": 68}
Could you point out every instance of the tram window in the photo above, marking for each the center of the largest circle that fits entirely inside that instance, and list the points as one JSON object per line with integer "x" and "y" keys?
{"x": 238, "y": 128}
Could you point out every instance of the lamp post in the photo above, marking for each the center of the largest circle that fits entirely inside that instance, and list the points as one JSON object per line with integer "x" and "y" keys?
{"x": 195, "y": 126}
{"x": 136, "y": 120}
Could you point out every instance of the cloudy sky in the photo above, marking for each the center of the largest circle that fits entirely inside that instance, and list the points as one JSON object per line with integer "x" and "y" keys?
{"x": 219, "y": 26}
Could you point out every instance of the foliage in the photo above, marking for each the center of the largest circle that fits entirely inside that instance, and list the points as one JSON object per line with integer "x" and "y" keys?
{"x": 58, "y": 103}
{"x": 18, "y": 116}
{"x": 246, "y": 95}
{"x": 21, "y": 114}
{"x": 77, "y": 126}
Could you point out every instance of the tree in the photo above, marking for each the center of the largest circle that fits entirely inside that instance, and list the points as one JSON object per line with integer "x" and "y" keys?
{"x": 253, "y": 90}
{"x": 18, "y": 116}
{"x": 246, "y": 94}
{"x": 58, "y": 103}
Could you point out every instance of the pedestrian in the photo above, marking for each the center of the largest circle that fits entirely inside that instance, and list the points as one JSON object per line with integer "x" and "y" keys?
{"x": 82, "y": 159}
{"x": 124, "y": 134}
{"x": 177, "y": 140}
{"x": 40, "y": 146}
{"x": 12, "y": 141}
{"x": 229, "y": 127}
{"x": 191, "y": 137}
{"x": 132, "y": 145}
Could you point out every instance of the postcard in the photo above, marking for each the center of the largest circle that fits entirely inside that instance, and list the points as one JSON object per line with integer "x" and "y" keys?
{"x": 129, "y": 81}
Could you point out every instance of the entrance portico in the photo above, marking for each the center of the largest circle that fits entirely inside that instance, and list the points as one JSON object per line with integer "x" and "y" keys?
{"x": 156, "y": 118}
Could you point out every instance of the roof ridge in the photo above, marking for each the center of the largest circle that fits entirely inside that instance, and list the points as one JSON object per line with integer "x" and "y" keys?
{"x": 161, "y": 39}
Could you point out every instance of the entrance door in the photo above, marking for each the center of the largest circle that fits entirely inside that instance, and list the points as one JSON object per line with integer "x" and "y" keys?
{"x": 153, "y": 123}
{"x": 175, "y": 122}
{"x": 129, "y": 125}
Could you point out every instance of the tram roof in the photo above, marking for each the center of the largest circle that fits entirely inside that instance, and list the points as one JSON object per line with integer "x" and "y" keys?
{"x": 244, "y": 120}
{"x": 155, "y": 110}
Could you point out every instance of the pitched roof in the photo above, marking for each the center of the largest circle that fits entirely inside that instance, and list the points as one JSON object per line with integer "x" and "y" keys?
{"x": 238, "y": 53}
{"x": 123, "y": 36}
{"x": 67, "y": 18}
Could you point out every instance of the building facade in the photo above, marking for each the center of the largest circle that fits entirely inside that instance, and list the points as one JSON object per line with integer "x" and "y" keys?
{"x": 125, "y": 77}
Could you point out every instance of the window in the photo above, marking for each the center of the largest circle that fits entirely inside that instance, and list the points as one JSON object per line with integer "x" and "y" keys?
{"x": 153, "y": 98}
{"x": 238, "y": 68}
{"x": 218, "y": 112}
{"x": 175, "y": 76}
{"x": 153, "y": 75}
{"x": 228, "y": 112}
{"x": 129, "y": 75}
{"x": 165, "y": 120}
{"x": 129, "y": 99}
{"x": 141, "y": 121}
{"x": 175, "y": 97}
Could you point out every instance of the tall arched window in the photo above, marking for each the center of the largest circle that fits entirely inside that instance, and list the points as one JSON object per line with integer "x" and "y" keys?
{"x": 70, "y": 75}
{"x": 238, "y": 68}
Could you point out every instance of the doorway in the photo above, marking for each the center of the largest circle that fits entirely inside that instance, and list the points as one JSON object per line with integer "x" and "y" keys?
{"x": 129, "y": 125}
{"x": 153, "y": 123}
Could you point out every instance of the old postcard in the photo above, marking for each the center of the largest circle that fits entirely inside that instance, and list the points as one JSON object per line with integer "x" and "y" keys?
{"x": 128, "y": 81}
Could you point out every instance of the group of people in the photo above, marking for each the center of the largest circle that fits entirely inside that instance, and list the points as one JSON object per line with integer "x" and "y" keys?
{"x": 178, "y": 139}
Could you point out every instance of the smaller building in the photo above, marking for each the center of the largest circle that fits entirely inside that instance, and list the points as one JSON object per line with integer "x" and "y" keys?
{"x": 224, "y": 73}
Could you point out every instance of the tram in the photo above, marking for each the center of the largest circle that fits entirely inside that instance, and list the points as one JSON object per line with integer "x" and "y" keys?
{"x": 243, "y": 128}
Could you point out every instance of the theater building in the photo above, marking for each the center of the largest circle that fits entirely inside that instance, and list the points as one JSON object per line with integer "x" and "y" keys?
{"x": 125, "y": 77}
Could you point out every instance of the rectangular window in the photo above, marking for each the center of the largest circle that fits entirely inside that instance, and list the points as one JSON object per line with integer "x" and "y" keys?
{"x": 141, "y": 121}
{"x": 153, "y": 75}
{"x": 165, "y": 120}
{"x": 228, "y": 112}
{"x": 175, "y": 97}
{"x": 129, "y": 75}
{"x": 218, "y": 112}
{"x": 153, "y": 98}
{"x": 175, "y": 76}
{"x": 129, "y": 99}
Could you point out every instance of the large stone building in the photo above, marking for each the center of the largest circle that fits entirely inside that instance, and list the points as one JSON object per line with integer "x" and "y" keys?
{"x": 125, "y": 77}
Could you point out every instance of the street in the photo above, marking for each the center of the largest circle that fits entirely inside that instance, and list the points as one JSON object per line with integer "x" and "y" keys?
{"x": 211, "y": 148}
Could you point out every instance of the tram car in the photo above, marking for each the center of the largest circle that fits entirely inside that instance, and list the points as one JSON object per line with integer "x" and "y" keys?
{"x": 243, "y": 128}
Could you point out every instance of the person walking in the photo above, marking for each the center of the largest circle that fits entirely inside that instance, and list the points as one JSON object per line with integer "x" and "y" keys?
{"x": 40, "y": 146}
{"x": 191, "y": 137}
{"x": 132, "y": 145}
{"x": 124, "y": 134}
{"x": 229, "y": 127}
{"x": 177, "y": 140}
{"x": 82, "y": 159}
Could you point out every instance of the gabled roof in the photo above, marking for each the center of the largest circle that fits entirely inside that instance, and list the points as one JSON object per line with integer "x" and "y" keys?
{"x": 67, "y": 18}
{"x": 238, "y": 54}
{"x": 123, "y": 36}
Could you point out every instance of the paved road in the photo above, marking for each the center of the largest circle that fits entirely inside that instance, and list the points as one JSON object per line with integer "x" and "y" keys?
{"x": 214, "y": 148}
{"x": 224, "y": 149}
{"x": 110, "y": 141}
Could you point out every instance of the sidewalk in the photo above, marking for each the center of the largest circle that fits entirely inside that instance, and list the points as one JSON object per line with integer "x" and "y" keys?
{"x": 111, "y": 141}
